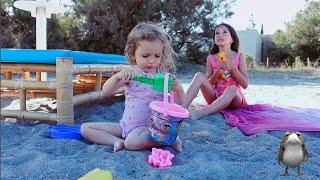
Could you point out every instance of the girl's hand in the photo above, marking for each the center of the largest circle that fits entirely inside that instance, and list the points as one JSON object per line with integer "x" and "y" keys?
{"x": 225, "y": 65}
{"x": 125, "y": 75}
{"x": 214, "y": 76}
{"x": 176, "y": 84}
{"x": 177, "y": 88}
{"x": 234, "y": 69}
{"x": 117, "y": 81}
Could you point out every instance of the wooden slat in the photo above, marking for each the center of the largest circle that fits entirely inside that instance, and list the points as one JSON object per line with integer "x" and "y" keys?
{"x": 13, "y": 67}
{"x": 95, "y": 68}
{"x": 28, "y": 84}
{"x": 29, "y": 115}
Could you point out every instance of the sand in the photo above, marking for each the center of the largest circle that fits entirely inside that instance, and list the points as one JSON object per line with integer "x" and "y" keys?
{"x": 211, "y": 148}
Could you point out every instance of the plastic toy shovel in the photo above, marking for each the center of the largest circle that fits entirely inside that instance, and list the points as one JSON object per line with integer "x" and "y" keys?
{"x": 65, "y": 131}
{"x": 157, "y": 81}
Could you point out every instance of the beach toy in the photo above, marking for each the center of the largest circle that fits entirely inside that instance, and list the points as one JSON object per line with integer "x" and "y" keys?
{"x": 65, "y": 132}
{"x": 97, "y": 174}
{"x": 157, "y": 81}
{"x": 225, "y": 74}
{"x": 160, "y": 158}
{"x": 166, "y": 118}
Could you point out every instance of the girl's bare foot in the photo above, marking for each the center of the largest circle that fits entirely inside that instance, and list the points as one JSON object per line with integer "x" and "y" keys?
{"x": 118, "y": 146}
{"x": 177, "y": 145}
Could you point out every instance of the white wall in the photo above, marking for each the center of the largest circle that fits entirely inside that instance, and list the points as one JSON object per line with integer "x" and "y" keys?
{"x": 250, "y": 43}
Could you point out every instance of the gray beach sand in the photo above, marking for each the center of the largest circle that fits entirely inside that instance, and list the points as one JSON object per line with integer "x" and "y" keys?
{"x": 211, "y": 148}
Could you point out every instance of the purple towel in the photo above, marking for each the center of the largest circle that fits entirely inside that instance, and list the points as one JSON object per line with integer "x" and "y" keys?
{"x": 251, "y": 119}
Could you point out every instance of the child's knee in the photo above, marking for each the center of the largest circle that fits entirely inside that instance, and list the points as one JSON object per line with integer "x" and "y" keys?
{"x": 232, "y": 90}
{"x": 199, "y": 76}
{"x": 128, "y": 144}
{"x": 84, "y": 129}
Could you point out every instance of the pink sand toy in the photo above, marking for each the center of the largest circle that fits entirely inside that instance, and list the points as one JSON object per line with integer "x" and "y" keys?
{"x": 160, "y": 158}
{"x": 166, "y": 118}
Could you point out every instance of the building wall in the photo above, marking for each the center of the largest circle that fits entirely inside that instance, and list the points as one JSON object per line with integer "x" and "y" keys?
{"x": 250, "y": 43}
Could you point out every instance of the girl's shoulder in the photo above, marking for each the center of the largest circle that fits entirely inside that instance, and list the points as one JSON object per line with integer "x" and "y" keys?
{"x": 234, "y": 53}
{"x": 211, "y": 59}
{"x": 210, "y": 56}
{"x": 236, "y": 57}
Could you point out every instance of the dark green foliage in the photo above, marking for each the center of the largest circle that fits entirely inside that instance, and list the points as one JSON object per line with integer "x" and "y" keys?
{"x": 6, "y": 38}
{"x": 103, "y": 25}
{"x": 106, "y": 24}
{"x": 302, "y": 36}
{"x": 20, "y": 28}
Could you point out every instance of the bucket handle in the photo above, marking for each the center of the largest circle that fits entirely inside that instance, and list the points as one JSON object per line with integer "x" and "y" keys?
{"x": 165, "y": 89}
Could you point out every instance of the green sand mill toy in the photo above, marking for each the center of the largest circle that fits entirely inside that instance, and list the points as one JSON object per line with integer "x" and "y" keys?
{"x": 157, "y": 81}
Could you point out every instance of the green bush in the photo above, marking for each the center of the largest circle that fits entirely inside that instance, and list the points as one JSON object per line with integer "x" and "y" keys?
{"x": 301, "y": 37}
{"x": 298, "y": 64}
{"x": 196, "y": 54}
{"x": 249, "y": 60}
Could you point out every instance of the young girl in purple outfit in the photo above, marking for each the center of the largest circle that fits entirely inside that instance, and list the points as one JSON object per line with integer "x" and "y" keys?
{"x": 149, "y": 50}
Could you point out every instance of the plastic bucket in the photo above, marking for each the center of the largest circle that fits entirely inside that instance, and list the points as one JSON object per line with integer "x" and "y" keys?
{"x": 166, "y": 118}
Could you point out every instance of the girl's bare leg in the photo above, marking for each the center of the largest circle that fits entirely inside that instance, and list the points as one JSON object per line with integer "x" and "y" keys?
{"x": 177, "y": 145}
{"x": 103, "y": 133}
{"x": 199, "y": 82}
{"x": 138, "y": 139}
{"x": 230, "y": 98}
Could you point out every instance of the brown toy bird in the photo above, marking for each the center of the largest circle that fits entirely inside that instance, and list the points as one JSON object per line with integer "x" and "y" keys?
{"x": 292, "y": 151}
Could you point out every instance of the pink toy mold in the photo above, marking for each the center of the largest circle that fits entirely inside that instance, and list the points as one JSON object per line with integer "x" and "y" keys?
{"x": 160, "y": 158}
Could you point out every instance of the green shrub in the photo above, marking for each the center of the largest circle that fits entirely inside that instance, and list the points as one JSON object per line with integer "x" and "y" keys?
{"x": 249, "y": 60}
{"x": 298, "y": 64}
{"x": 283, "y": 66}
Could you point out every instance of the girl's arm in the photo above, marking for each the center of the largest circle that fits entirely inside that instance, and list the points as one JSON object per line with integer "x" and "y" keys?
{"x": 211, "y": 75}
{"x": 209, "y": 69}
{"x": 115, "y": 82}
{"x": 241, "y": 73}
{"x": 179, "y": 94}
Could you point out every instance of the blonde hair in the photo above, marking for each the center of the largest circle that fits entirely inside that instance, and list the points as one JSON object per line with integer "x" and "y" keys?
{"x": 151, "y": 32}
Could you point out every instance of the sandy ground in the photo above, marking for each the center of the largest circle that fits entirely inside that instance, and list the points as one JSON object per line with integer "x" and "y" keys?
{"x": 285, "y": 88}
{"x": 211, "y": 148}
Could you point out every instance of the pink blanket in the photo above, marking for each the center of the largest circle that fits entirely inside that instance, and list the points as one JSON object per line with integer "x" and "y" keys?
{"x": 251, "y": 119}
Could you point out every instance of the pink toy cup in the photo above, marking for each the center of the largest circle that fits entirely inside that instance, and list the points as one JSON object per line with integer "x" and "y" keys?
{"x": 166, "y": 118}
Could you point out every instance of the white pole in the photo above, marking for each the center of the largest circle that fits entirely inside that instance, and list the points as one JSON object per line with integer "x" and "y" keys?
{"x": 41, "y": 28}
{"x": 41, "y": 10}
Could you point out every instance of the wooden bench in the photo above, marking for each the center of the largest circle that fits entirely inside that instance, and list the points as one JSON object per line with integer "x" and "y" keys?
{"x": 63, "y": 86}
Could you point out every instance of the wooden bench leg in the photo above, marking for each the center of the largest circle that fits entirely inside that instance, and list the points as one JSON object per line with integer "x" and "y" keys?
{"x": 26, "y": 76}
{"x": 98, "y": 81}
{"x": 64, "y": 91}
{"x": 38, "y": 76}
{"x": 8, "y": 75}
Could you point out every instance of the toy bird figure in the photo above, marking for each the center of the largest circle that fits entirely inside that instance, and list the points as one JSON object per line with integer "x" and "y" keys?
{"x": 292, "y": 151}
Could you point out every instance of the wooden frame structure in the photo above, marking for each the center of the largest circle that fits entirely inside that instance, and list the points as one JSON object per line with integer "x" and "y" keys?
{"x": 63, "y": 87}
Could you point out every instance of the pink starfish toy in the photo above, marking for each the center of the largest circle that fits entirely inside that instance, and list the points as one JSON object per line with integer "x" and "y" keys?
{"x": 160, "y": 158}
